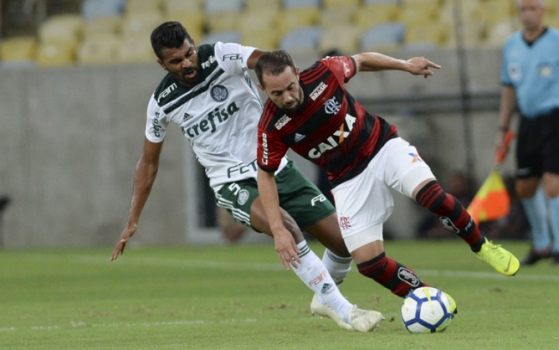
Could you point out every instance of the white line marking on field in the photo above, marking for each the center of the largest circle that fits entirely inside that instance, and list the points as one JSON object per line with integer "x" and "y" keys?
{"x": 80, "y": 324}
{"x": 277, "y": 267}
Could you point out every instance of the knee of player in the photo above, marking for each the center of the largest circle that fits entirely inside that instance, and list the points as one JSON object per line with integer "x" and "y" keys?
{"x": 292, "y": 227}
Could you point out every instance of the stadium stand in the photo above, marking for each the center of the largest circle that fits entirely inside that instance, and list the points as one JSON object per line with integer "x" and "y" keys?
{"x": 143, "y": 6}
{"x": 98, "y": 49}
{"x": 263, "y": 5}
{"x": 291, "y": 18}
{"x": 345, "y": 25}
{"x": 18, "y": 49}
{"x": 102, "y": 8}
{"x": 101, "y": 25}
{"x": 55, "y": 54}
{"x": 384, "y": 36}
{"x": 224, "y": 36}
{"x": 302, "y": 40}
{"x": 215, "y": 6}
{"x": 336, "y": 14}
{"x": 373, "y": 14}
{"x": 343, "y": 38}
{"x": 135, "y": 50}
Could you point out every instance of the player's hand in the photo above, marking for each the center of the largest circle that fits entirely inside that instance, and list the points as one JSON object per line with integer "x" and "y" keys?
{"x": 502, "y": 145}
{"x": 121, "y": 244}
{"x": 286, "y": 248}
{"x": 421, "y": 66}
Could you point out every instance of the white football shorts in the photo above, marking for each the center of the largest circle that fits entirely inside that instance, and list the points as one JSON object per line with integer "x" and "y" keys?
{"x": 364, "y": 203}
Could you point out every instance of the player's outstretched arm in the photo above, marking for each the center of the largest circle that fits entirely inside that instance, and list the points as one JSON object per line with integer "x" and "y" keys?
{"x": 373, "y": 61}
{"x": 286, "y": 247}
{"x": 145, "y": 174}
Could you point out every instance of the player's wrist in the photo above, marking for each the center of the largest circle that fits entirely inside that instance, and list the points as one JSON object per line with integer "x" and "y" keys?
{"x": 503, "y": 128}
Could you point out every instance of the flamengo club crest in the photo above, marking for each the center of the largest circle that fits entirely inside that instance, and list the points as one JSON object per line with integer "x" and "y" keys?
{"x": 219, "y": 93}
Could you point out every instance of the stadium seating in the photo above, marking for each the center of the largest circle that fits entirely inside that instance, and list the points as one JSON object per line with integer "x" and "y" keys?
{"x": 292, "y": 18}
{"x": 385, "y": 36}
{"x": 338, "y": 15}
{"x": 98, "y": 49}
{"x": 56, "y": 53}
{"x": 213, "y": 6}
{"x": 224, "y": 36}
{"x": 342, "y": 37}
{"x": 18, "y": 49}
{"x": 370, "y": 15}
{"x": 288, "y": 4}
{"x": 192, "y": 21}
{"x": 301, "y": 40}
{"x": 183, "y": 6}
{"x": 345, "y": 25}
{"x": 67, "y": 28}
{"x": 101, "y": 25}
{"x": 140, "y": 24}
{"x": 102, "y": 8}
{"x": 143, "y": 6}
{"x": 433, "y": 33}
{"x": 263, "y": 39}
{"x": 336, "y": 3}
{"x": 134, "y": 49}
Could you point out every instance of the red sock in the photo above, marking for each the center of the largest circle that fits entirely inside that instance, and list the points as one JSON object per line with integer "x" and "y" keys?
{"x": 391, "y": 274}
{"x": 450, "y": 211}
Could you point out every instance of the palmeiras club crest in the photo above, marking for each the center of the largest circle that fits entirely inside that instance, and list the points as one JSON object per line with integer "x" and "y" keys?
{"x": 219, "y": 93}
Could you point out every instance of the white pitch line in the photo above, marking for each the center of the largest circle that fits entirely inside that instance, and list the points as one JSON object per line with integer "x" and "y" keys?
{"x": 277, "y": 267}
{"x": 80, "y": 324}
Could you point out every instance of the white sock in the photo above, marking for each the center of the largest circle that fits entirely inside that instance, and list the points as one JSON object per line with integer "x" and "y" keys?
{"x": 314, "y": 274}
{"x": 338, "y": 266}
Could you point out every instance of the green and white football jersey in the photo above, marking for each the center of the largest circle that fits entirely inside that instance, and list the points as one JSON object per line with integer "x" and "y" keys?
{"x": 219, "y": 116}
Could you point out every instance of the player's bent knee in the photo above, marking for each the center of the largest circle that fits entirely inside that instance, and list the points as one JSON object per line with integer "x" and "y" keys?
{"x": 358, "y": 241}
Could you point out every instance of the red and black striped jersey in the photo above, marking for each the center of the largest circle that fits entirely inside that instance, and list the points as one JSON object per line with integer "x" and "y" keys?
{"x": 331, "y": 129}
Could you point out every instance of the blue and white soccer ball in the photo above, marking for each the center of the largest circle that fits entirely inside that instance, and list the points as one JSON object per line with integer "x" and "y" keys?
{"x": 427, "y": 310}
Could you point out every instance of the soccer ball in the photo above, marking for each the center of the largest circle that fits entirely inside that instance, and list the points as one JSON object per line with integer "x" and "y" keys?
{"x": 427, "y": 310}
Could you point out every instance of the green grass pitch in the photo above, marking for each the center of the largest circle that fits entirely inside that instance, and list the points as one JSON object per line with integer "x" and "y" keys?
{"x": 239, "y": 297}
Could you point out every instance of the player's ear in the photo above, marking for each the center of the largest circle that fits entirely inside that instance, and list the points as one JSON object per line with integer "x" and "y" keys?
{"x": 261, "y": 87}
{"x": 161, "y": 64}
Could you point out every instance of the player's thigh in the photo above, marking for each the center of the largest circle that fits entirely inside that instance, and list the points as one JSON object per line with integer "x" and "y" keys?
{"x": 362, "y": 202}
{"x": 301, "y": 198}
{"x": 237, "y": 198}
{"x": 400, "y": 167}
{"x": 241, "y": 199}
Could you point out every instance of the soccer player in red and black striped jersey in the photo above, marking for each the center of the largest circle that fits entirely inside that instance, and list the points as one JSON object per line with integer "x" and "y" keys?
{"x": 362, "y": 154}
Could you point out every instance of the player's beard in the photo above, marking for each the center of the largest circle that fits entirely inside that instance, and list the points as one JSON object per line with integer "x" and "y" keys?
{"x": 192, "y": 79}
{"x": 297, "y": 103}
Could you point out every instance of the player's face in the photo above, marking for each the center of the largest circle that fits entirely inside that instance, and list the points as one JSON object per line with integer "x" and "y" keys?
{"x": 530, "y": 13}
{"x": 284, "y": 89}
{"x": 182, "y": 63}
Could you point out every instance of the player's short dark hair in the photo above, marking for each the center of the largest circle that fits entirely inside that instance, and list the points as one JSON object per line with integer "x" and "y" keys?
{"x": 273, "y": 63}
{"x": 169, "y": 35}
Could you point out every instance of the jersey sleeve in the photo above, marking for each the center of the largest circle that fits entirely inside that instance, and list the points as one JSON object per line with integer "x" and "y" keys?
{"x": 343, "y": 67}
{"x": 157, "y": 122}
{"x": 505, "y": 77}
{"x": 233, "y": 56}
{"x": 271, "y": 147}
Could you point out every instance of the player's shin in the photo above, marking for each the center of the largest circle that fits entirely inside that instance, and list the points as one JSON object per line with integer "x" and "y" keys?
{"x": 451, "y": 213}
{"x": 314, "y": 274}
{"x": 337, "y": 266}
{"x": 391, "y": 275}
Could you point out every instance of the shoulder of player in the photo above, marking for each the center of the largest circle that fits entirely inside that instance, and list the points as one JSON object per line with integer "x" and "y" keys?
{"x": 554, "y": 32}
{"x": 269, "y": 114}
{"x": 165, "y": 91}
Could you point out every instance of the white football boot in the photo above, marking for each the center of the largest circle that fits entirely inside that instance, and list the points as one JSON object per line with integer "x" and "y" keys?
{"x": 359, "y": 319}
